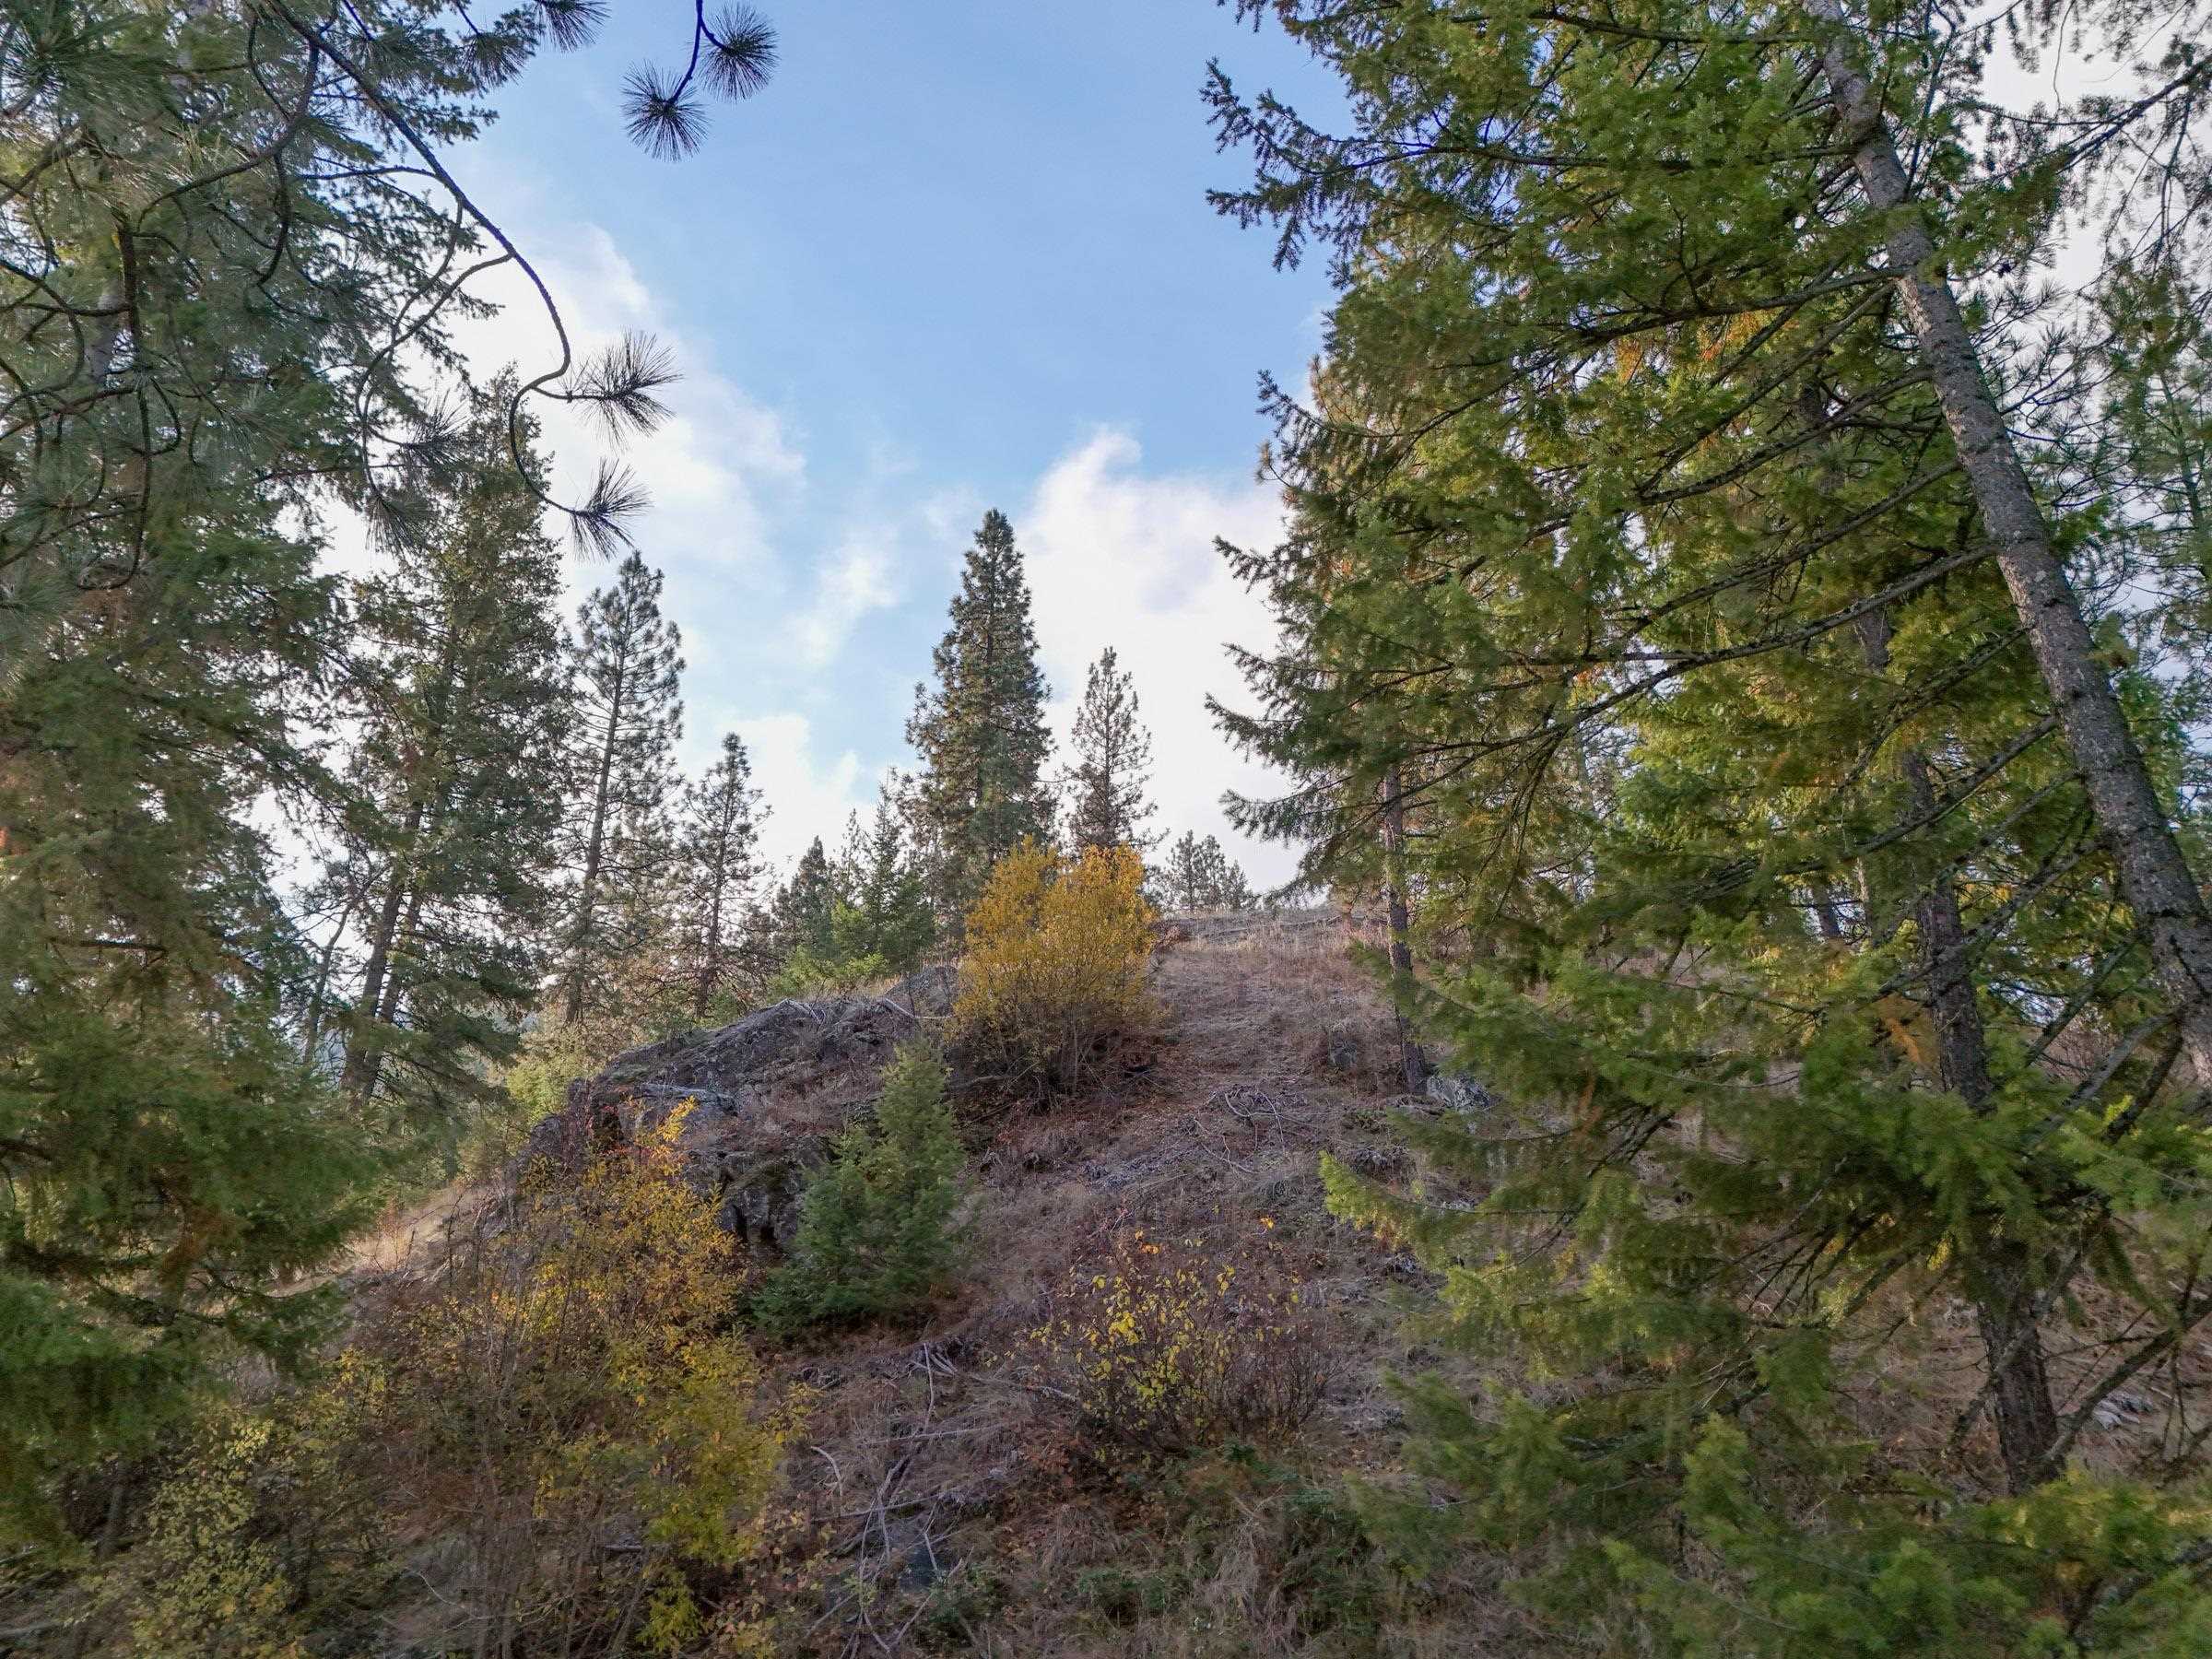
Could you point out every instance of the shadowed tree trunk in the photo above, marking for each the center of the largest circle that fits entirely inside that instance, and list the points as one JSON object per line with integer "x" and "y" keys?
{"x": 1413, "y": 1064}
{"x": 2000, "y": 1276}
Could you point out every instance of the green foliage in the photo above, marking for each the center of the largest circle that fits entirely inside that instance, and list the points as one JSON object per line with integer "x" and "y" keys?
{"x": 980, "y": 733}
{"x": 806, "y": 907}
{"x": 619, "y": 844}
{"x": 1766, "y": 885}
{"x": 182, "y": 1171}
{"x": 1113, "y": 767}
{"x": 883, "y": 904}
{"x": 1198, "y": 876}
{"x": 717, "y": 841}
{"x": 878, "y": 1231}
{"x": 460, "y": 702}
{"x": 837, "y": 925}
{"x": 232, "y": 264}
{"x": 804, "y": 973}
{"x": 552, "y": 1056}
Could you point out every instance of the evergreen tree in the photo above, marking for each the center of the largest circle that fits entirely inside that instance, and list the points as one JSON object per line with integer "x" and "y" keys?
{"x": 462, "y": 702}
{"x": 1658, "y": 547}
{"x": 621, "y": 768}
{"x": 721, "y": 831}
{"x": 1106, "y": 785}
{"x": 165, "y": 1156}
{"x": 1198, "y": 876}
{"x": 980, "y": 733}
{"x": 231, "y": 248}
{"x": 803, "y": 918}
{"x": 878, "y": 1227}
{"x": 882, "y": 908}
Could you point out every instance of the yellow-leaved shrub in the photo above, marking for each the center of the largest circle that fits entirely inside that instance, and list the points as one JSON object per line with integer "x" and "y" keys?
{"x": 1055, "y": 966}
{"x": 1165, "y": 1349}
{"x": 572, "y": 1405}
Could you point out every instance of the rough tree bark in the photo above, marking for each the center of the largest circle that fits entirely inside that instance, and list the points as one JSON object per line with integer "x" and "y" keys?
{"x": 2154, "y": 877}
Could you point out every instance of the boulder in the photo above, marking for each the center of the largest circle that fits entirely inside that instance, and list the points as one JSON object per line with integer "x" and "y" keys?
{"x": 767, "y": 1095}
{"x": 1455, "y": 1091}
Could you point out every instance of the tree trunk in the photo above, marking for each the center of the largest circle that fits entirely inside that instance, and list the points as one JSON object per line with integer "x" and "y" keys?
{"x": 313, "y": 1024}
{"x": 1413, "y": 1064}
{"x": 2154, "y": 877}
{"x": 360, "y": 1076}
{"x": 1999, "y": 1273}
{"x": 587, "y": 886}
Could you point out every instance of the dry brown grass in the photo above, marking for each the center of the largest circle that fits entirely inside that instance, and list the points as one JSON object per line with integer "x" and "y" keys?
{"x": 944, "y": 1496}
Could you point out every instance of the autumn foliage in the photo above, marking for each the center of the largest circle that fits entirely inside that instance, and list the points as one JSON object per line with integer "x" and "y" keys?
{"x": 1055, "y": 966}
{"x": 572, "y": 1403}
{"x": 1166, "y": 1349}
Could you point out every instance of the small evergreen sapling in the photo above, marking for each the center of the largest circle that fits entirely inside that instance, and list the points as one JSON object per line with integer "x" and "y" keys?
{"x": 878, "y": 1231}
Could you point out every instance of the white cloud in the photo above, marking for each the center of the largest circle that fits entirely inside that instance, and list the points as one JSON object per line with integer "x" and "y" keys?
{"x": 706, "y": 468}
{"x": 1116, "y": 556}
{"x": 856, "y": 581}
{"x": 1119, "y": 558}
{"x": 807, "y": 794}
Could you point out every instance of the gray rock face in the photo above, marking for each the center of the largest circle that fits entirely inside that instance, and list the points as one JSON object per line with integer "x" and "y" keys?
{"x": 767, "y": 1094}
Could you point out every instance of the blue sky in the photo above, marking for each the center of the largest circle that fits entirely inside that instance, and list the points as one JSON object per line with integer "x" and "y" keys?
{"x": 953, "y": 256}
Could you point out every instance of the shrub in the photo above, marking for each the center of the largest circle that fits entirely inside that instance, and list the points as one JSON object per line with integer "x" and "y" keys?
{"x": 262, "y": 1532}
{"x": 1167, "y": 1351}
{"x": 568, "y": 1406}
{"x": 809, "y": 972}
{"x": 878, "y": 1234}
{"x": 1054, "y": 965}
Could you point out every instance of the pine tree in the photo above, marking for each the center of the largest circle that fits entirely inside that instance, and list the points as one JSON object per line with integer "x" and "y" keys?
{"x": 167, "y": 1156}
{"x": 1198, "y": 876}
{"x": 1106, "y": 785}
{"x": 462, "y": 702}
{"x": 721, "y": 831}
{"x": 621, "y": 769}
{"x": 803, "y": 918}
{"x": 232, "y": 250}
{"x": 980, "y": 733}
{"x": 878, "y": 1229}
{"x": 882, "y": 908}
{"x": 1653, "y": 527}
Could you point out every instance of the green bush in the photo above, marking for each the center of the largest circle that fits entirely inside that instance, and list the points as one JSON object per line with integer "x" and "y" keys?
{"x": 878, "y": 1231}
{"x": 809, "y": 972}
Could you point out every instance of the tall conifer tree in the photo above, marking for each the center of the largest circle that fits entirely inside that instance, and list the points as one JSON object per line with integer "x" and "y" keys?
{"x": 1113, "y": 768}
{"x": 1657, "y": 530}
{"x": 882, "y": 907}
{"x": 803, "y": 917}
{"x": 980, "y": 732}
{"x": 462, "y": 702}
{"x": 720, "y": 836}
{"x": 231, "y": 245}
{"x": 627, "y": 669}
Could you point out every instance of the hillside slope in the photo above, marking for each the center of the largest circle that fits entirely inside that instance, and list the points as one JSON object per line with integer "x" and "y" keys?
{"x": 958, "y": 1481}
{"x": 948, "y": 1491}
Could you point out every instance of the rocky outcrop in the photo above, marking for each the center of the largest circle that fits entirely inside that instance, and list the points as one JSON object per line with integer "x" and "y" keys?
{"x": 767, "y": 1094}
